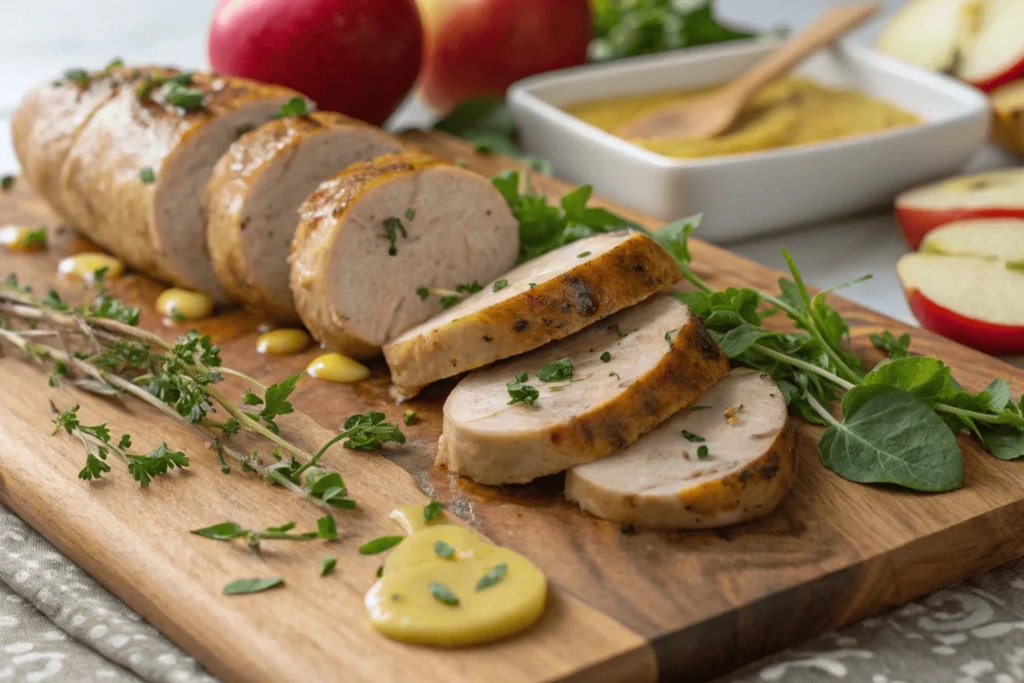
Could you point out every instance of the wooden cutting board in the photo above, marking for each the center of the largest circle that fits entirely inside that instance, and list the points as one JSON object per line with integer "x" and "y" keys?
{"x": 623, "y": 607}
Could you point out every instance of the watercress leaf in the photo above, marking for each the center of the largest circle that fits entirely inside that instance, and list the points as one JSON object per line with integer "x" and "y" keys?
{"x": 244, "y": 586}
{"x": 1005, "y": 442}
{"x": 741, "y": 338}
{"x": 855, "y": 398}
{"x": 896, "y": 347}
{"x": 922, "y": 376}
{"x": 894, "y": 438}
{"x": 998, "y": 391}
{"x": 698, "y": 302}
{"x": 673, "y": 237}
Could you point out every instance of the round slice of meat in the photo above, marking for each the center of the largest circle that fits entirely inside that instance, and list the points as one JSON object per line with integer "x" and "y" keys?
{"x": 253, "y": 198}
{"x": 133, "y": 181}
{"x": 598, "y": 391}
{"x": 380, "y": 230}
{"x": 47, "y": 122}
{"x": 547, "y": 298}
{"x": 729, "y": 458}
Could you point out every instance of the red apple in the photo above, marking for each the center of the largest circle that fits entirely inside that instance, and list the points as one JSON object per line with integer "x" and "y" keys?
{"x": 925, "y": 33}
{"x": 968, "y": 288}
{"x": 995, "y": 194}
{"x": 357, "y": 57}
{"x": 991, "y": 52}
{"x": 480, "y": 47}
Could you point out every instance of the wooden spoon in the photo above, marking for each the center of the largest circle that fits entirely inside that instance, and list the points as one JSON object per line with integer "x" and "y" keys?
{"x": 704, "y": 117}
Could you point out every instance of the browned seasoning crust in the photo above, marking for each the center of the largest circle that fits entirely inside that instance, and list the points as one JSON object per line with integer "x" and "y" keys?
{"x": 320, "y": 222}
{"x": 553, "y": 309}
{"x": 47, "y": 122}
{"x": 230, "y": 185}
{"x": 100, "y": 182}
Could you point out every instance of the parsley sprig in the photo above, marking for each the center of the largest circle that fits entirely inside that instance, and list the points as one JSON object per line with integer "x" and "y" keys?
{"x": 228, "y": 531}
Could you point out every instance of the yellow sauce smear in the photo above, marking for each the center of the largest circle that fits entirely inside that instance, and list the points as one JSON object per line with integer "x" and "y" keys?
{"x": 181, "y": 304}
{"x": 84, "y": 266}
{"x": 22, "y": 238}
{"x": 334, "y": 367}
{"x": 788, "y": 112}
{"x": 448, "y": 586}
{"x": 283, "y": 342}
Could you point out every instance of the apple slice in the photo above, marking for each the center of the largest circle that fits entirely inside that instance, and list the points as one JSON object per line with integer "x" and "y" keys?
{"x": 999, "y": 239}
{"x": 1008, "y": 117}
{"x": 995, "y": 194}
{"x": 924, "y": 33}
{"x": 991, "y": 49}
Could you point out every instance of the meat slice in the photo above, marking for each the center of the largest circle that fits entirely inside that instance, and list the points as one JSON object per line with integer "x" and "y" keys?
{"x": 545, "y": 299}
{"x": 253, "y": 198}
{"x": 373, "y": 234}
{"x": 662, "y": 482}
{"x": 627, "y": 378}
{"x": 47, "y": 122}
{"x": 158, "y": 227}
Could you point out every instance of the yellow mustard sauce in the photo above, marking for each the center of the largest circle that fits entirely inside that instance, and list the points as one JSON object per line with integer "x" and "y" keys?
{"x": 84, "y": 266}
{"x": 283, "y": 342}
{"x": 181, "y": 304}
{"x": 334, "y": 367}
{"x": 788, "y": 112}
{"x": 447, "y": 586}
{"x": 22, "y": 238}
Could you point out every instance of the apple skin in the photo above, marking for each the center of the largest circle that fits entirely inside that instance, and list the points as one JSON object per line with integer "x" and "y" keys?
{"x": 357, "y": 57}
{"x": 1013, "y": 73}
{"x": 480, "y": 47}
{"x": 916, "y": 223}
{"x": 991, "y": 338}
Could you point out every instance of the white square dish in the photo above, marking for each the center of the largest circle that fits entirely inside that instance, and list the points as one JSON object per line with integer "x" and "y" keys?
{"x": 753, "y": 193}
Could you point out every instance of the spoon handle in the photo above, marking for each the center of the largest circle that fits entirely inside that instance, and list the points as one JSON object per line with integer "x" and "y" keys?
{"x": 826, "y": 29}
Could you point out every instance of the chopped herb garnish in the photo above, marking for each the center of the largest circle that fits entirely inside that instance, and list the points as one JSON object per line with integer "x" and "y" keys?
{"x": 692, "y": 408}
{"x": 499, "y": 285}
{"x": 702, "y": 452}
{"x": 558, "y": 371}
{"x": 243, "y": 129}
{"x": 443, "y": 550}
{"x": 7, "y": 182}
{"x": 327, "y": 565}
{"x": 115, "y": 63}
{"x": 393, "y": 226}
{"x": 532, "y": 285}
{"x": 520, "y": 391}
{"x": 188, "y": 99}
{"x": 79, "y": 77}
{"x": 732, "y": 414}
{"x": 618, "y": 331}
{"x": 296, "y": 106}
{"x": 368, "y": 432}
{"x": 327, "y": 528}
{"x": 496, "y": 574}
{"x": 442, "y": 593}
{"x": 584, "y": 254}
{"x": 606, "y": 356}
{"x": 670, "y": 335}
{"x": 431, "y": 511}
{"x": 380, "y": 571}
{"x": 379, "y": 545}
{"x": 690, "y": 436}
{"x": 614, "y": 374}
{"x": 146, "y": 175}
{"x": 409, "y": 416}
{"x": 33, "y": 239}
{"x": 245, "y": 586}
{"x": 410, "y": 214}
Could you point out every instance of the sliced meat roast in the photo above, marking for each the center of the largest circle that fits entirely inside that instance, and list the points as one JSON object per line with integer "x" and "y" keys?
{"x": 380, "y": 230}
{"x": 252, "y": 200}
{"x": 730, "y": 461}
{"x": 47, "y": 122}
{"x": 133, "y": 181}
{"x": 629, "y": 373}
{"x": 547, "y": 298}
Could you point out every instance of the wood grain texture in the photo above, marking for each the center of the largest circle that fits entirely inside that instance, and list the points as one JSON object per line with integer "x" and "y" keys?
{"x": 698, "y": 602}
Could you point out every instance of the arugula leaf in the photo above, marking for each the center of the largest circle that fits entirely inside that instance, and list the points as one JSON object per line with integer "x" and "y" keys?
{"x": 520, "y": 391}
{"x": 557, "y": 371}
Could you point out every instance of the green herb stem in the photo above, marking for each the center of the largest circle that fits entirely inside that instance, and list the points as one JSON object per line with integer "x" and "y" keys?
{"x": 796, "y": 362}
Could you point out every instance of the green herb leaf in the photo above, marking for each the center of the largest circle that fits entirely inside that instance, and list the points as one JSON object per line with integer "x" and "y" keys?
{"x": 409, "y": 417}
{"x": 431, "y": 511}
{"x": 896, "y": 347}
{"x": 6, "y": 182}
{"x": 245, "y": 586}
{"x": 443, "y": 550}
{"x": 327, "y": 528}
{"x": 606, "y": 356}
{"x": 379, "y": 545}
{"x": 156, "y": 463}
{"x": 556, "y": 371}
{"x": 368, "y": 431}
{"x": 295, "y": 106}
{"x": 702, "y": 452}
{"x": 499, "y": 285}
{"x": 225, "y": 531}
{"x": 894, "y": 438}
{"x": 496, "y": 574}
{"x": 146, "y": 175}
{"x": 442, "y": 593}
{"x": 188, "y": 99}
{"x": 393, "y": 226}
{"x": 520, "y": 391}
{"x": 690, "y": 436}
{"x": 79, "y": 77}
{"x": 327, "y": 565}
